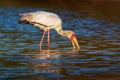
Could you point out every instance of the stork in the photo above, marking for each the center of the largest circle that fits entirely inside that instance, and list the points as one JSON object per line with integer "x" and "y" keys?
{"x": 47, "y": 21}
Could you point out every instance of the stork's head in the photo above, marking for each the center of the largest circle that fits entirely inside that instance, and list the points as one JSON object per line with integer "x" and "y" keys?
{"x": 71, "y": 35}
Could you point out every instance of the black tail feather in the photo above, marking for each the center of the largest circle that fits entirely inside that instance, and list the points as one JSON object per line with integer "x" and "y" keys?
{"x": 23, "y": 22}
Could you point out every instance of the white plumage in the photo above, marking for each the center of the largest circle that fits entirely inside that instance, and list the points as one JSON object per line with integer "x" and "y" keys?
{"x": 46, "y": 21}
{"x": 42, "y": 17}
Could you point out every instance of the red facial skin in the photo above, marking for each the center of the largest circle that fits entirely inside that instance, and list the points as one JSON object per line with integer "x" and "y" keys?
{"x": 72, "y": 37}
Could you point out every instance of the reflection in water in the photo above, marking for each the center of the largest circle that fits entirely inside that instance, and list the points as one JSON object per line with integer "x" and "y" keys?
{"x": 44, "y": 65}
{"x": 44, "y": 54}
{"x": 49, "y": 62}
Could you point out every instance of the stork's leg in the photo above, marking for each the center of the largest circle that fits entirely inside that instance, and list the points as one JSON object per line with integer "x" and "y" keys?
{"x": 49, "y": 39}
{"x": 42, "y": 39}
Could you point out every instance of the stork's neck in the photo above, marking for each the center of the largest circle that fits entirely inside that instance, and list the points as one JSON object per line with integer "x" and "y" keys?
{"x": 61, "y": 31}
{"x": 64, "y": 33}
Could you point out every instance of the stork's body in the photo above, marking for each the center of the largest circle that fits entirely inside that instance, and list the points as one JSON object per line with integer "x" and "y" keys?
{"x": 46, "y": 21}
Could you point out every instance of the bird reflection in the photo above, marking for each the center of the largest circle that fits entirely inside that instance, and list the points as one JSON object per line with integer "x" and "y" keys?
{"x": 44, "y": 54}
{"x": 43, "y": 61}
{"x": 47, "y": 54}
{"x": 50, "y": 61}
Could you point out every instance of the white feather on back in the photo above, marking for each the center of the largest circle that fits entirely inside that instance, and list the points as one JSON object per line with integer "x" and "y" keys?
{"x": 42, "y": 17}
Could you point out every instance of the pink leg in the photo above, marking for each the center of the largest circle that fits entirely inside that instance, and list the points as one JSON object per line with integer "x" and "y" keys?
{"x": 48, "y": 39}
{"x": 42, "y": 39}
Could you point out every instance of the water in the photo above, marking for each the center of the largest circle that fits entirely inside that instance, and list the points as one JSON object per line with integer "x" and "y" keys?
{"x": 98, "y": 59}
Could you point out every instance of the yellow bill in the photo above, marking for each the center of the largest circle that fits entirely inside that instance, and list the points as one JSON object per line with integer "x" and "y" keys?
{"x": 74, "y": 42}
